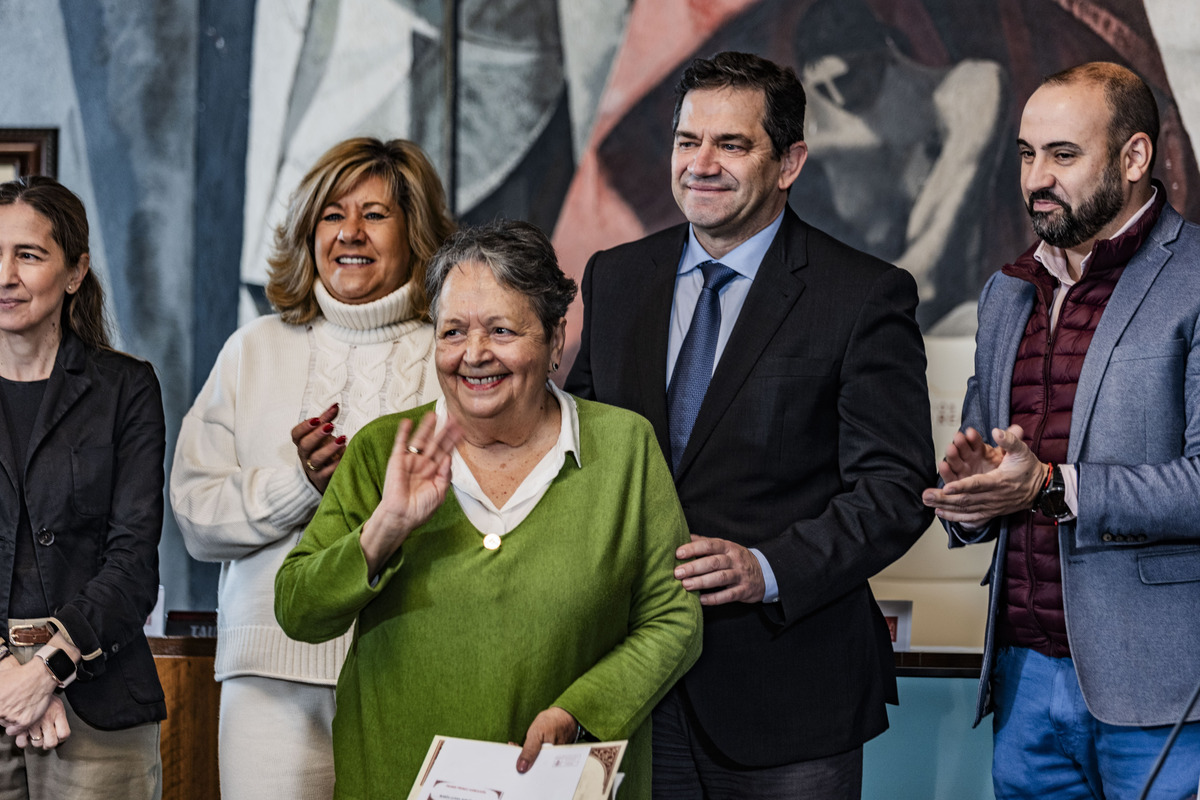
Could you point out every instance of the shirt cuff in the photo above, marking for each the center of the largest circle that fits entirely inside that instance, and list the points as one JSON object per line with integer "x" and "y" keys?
{"x": 1070, "y": 476}
{"x": 771, "y": 595}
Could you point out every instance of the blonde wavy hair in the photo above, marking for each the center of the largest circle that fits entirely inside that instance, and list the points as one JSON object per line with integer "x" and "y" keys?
{"x": 414, "y": 186}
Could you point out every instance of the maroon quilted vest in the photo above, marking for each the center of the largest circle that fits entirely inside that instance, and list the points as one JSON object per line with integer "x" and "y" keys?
{"x": 1045, "y": 376}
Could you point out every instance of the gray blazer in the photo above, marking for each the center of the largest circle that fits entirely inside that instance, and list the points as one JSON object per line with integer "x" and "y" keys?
{"x": 1131, "y": 561}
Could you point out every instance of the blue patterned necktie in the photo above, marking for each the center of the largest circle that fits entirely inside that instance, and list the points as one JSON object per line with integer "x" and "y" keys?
{"x": 694, "y": 367}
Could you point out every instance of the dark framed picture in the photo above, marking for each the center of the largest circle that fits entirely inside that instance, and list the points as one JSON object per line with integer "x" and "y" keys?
{"x": 28, "y": 151}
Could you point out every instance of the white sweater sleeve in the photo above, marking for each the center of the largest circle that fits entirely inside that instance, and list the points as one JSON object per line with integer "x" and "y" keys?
{"x": 227, "y": 509}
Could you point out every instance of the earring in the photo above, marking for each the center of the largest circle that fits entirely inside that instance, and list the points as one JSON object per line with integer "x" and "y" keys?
{"x": 554, "y": 366}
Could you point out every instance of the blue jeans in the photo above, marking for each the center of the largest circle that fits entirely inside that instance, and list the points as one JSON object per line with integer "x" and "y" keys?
{"x": 1047, "y": 745}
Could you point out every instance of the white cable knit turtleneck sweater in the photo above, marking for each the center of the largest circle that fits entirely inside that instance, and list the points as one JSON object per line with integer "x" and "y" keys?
{"x": 237, "y": 486}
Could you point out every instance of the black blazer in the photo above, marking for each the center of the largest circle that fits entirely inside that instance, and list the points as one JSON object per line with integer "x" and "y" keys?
{"x": 813, "y": 444}
{"x": 94, "y": 490}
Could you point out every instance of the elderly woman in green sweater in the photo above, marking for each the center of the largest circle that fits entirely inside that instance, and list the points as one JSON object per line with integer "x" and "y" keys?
{"x": 506, "y": 553}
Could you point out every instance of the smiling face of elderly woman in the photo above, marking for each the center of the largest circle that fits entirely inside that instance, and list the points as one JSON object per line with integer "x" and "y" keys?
{"x": 498, "y": 305}
{"x": 493, "y": 355}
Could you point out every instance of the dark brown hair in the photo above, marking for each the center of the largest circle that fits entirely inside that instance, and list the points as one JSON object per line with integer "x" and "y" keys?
{"x": 1131, "y": 104}
{"x": 83, "y": 311}
{"x": 783, "y": 95}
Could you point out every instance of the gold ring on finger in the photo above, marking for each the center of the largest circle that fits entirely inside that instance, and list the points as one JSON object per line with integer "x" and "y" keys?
{"x": 416, "y": 451}
{"x": 312, "y": 467}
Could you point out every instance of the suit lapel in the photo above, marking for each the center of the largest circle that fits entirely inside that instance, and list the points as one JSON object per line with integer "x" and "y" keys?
{"x": 66, "y": 385}
{"x": 775, "y": 290}
{"x": 1017, "y": 306}
{"x": 7, "y": 458}
{"x": 1126, "y": 298}
{"x": 654, "y": 312}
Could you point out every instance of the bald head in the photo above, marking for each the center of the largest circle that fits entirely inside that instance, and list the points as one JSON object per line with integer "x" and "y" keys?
{"x": 1131, "y": 104}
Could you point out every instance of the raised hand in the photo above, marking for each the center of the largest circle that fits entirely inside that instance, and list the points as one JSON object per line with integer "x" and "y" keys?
{"x": 418, "y": 475}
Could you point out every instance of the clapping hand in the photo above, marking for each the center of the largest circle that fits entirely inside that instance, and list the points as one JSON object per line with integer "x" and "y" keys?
{"x": 982, "y": 482}
{"x": 319, "y": 450}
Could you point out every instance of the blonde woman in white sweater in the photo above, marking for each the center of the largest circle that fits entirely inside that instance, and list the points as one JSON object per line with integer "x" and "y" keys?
{"x": 350, "y": 343}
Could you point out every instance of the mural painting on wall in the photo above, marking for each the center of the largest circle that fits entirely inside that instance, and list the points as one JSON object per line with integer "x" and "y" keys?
{"x": 913, "y": 107}
{"x": 326, "y": 70}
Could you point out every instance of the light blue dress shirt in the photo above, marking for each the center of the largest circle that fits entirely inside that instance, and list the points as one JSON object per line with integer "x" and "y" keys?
{"x": 689, "y": 280}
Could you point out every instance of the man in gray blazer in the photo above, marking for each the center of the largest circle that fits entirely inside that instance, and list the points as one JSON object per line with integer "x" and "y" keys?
{"x": 1087, "y": 375}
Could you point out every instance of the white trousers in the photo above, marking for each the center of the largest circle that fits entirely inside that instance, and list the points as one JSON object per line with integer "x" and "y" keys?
{"x": 275, "y": 740}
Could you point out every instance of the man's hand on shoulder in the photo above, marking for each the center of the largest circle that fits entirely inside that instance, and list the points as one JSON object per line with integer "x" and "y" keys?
{"x": 728, "y": 568}
{"x": 984, "y": 482}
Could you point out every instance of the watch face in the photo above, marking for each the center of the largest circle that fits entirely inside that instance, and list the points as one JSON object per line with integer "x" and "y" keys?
{"x": 1053, "y": 503}
{"x": 61, "y": 665}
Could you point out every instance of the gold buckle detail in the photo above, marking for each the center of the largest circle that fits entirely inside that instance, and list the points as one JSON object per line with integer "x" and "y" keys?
{"x": 28, "y": 635}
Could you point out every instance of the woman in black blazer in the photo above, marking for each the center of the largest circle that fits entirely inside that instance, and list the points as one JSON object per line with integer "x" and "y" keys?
{"x": 81, "y": 477}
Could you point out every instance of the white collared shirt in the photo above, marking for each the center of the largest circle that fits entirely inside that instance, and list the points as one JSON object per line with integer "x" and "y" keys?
{"x": 480, "y": 510}
{"x": 689, "y": 281}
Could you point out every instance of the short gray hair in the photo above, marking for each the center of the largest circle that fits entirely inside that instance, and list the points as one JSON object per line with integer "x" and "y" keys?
{"x": 520, "y": 257}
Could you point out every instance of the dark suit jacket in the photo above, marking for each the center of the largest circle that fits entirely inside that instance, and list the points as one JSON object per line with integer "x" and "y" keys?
{"x": 94, "y": 490}
{"x": 813, "y": 444}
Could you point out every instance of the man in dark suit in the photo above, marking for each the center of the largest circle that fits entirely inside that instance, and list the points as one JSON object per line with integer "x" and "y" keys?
{"x": 800, "y": 465}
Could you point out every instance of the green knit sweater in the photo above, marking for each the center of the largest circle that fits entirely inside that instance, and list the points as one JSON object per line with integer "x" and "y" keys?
{"x": 578, "y": 608}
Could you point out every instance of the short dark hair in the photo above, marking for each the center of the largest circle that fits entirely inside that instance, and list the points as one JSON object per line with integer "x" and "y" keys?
{"x": 1131, "y": 104}
{"x": 783, "y": 96}
{"x": 520, "y": 257}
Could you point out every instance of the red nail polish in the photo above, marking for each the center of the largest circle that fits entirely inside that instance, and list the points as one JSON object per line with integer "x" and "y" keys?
{"x": 340, "y": 440}
{"x": 315, "y": 421}
{"x": 328, "y": 427}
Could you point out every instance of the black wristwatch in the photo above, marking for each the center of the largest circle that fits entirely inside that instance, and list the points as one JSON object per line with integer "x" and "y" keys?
{"x": 59, "y": 663}
{"x": 1052, "y": 499}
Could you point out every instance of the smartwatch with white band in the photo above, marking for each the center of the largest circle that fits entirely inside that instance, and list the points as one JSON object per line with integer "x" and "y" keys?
{"x": 59, "y": 663}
